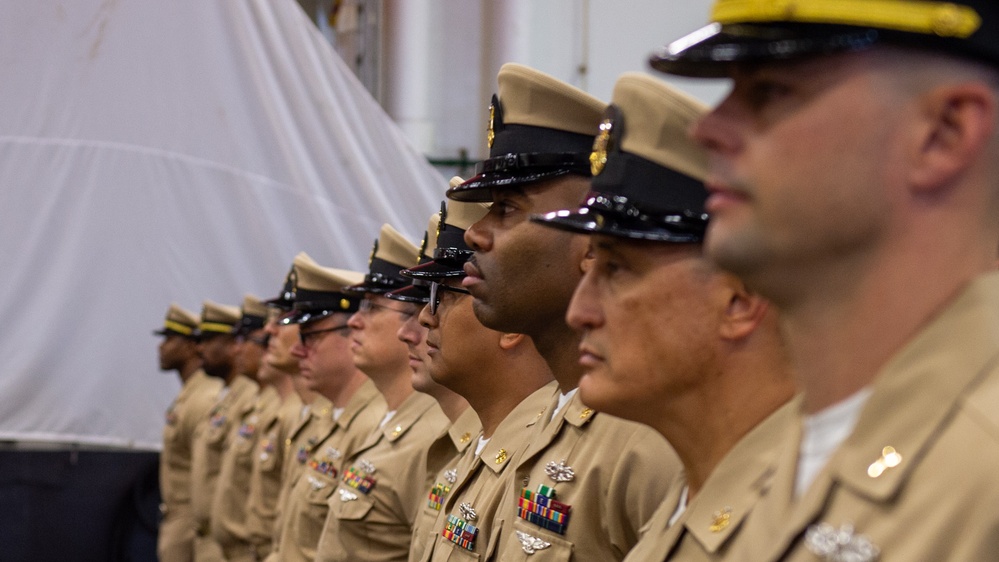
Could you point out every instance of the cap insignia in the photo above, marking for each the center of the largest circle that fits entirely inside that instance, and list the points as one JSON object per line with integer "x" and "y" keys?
{"x": 490, "y": 134}
{"x": 344, "y": 304}
{"x": 598, "y": 157}
{"x": 423, "y": 246}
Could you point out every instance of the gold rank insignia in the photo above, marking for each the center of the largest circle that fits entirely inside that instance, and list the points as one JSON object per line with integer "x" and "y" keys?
{"x": 490, "y": 133}
{"x": 720, "y": 520}
{"x": 598, "y": 157}
{"x": 465, "y": 437}
{"x": 440, "y": 224}
{"x": 501, "y": 456}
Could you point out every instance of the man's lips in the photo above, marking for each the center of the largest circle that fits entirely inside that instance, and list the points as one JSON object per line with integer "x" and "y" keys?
{"x": 588, "y": 357}
{"x": 472, "y": 273}
{"x": 722, "y": 194}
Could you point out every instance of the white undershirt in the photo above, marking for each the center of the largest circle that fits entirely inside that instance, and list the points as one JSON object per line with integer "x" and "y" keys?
{"x": 822, "y": 433}
{"x": 385, "y": 420}
{"x": 681, "y": 506}
{"x": 337, "y": 412}
{"x": 481, "y": 445}
{"x": 563, "y": 399}
{"x": 304, "y": 413}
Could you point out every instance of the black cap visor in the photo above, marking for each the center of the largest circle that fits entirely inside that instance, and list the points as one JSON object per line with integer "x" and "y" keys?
{"x": 447, "y": 263}
{"x": 513, "y": 170}
{"x": 710, "y": 51}
{"x": 677, "y": 228}
{"x": 383, "y": 277}
{"x": 418, "y": 292}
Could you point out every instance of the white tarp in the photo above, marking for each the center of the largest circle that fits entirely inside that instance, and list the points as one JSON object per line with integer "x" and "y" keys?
{"x": 155, "y": 151}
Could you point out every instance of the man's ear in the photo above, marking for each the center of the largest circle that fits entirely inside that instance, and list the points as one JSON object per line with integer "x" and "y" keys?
{"x": 510, "y": 341}
{"x": 744, "y": 311}
{"x": 958, "y": 123}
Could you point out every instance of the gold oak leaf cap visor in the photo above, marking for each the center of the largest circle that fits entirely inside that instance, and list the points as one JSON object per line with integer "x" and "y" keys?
{"x": 769, "y": 30}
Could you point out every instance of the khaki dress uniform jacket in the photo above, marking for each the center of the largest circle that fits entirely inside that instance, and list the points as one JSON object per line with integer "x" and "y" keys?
{"x": 476, "y": 497}
{"x": 306, "y": 508}
{"x": 606, "y": 476}
{"x": 266, "y": 473}
{"x": 229, "y": 513}
{"x": 210, "y": 441}
{"x": 372, "y": 510}
{"x": 175, "y": 542}
{"x": 449, "y": 445}
{"x": 917, "y": 478}
{"x": 711, "y": 522}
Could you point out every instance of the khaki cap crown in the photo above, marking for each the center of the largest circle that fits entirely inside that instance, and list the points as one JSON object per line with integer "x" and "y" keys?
{"x": 179, "y": 320}
{"x": 531, "y": 97}
{"x": 253, "y": 306}
{"x": 658, "y": 120}
{"x": 314, "y": 277}
{"x": 395, "y": 249}
{"x": 218, "y": 318}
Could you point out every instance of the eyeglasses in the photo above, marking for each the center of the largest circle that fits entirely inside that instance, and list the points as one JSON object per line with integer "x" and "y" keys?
{"x": 308, "y": 338}
{"x": 367, "y": 307}
{"x": 435, "y": 295}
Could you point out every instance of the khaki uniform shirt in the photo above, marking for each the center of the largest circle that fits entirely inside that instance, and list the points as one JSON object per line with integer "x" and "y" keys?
{"x": 711, "y": 522}
{"x": 314, "y": 421}
{"x": 468, "y": 522}
{"x": 584, "y": 487}
{"x": 209, "y": 444}
{"x": 266, "y": 472}
{"x": 933, "y": 495}
{"x": 228, "y": 518}
{"x": 316, "y": 480}
{"x": 451, "y": 444}
{"x": 192, "y": 404}
{"x": 372, "y": 510}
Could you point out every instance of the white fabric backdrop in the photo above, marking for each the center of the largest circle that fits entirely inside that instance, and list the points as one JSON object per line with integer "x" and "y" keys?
{"x": 155, "y": 151}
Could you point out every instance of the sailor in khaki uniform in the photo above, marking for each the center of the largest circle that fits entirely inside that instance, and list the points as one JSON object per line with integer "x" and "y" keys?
{"x": 178, "y": 352}
{"x": 321, "y": 311}
{"x": 853, "y": 176}
{"x": 277, "y": 369}
{"x": 229, "y": 513}
{"x": 650, "y": 298}
{"x": 444, "y": 453}
{"x": 587, "y": 482}
{"x": 217, "y": 348}
{"x": 372, "y": 511}
{"x": 501, "y": 375}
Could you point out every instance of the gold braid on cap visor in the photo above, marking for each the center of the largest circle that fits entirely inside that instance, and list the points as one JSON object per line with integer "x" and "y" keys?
{"x": 178, "y": 327}
{"x": 944, "y": 19}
